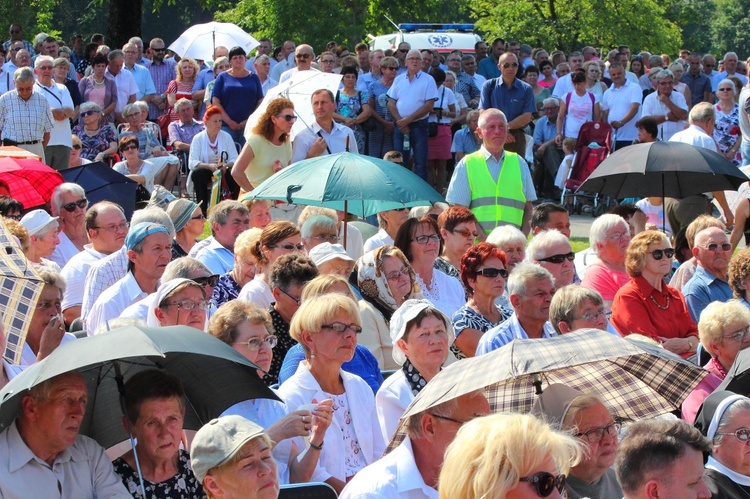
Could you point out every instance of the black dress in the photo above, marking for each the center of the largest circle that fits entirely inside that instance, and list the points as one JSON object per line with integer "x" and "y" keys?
{"x": 722, "y": 487}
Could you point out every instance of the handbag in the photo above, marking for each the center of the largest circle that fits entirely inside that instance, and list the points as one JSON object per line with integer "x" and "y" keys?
{"x": 163, "y": 122}
{"x": 432, "y": 127}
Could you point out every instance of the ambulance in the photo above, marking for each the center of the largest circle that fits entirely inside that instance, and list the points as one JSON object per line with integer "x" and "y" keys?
{"x": 444, "y": 38}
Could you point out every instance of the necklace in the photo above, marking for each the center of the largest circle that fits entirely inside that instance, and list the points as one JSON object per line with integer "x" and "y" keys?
{"x": 665, "y": 307}
{"x": 98, "y": 83}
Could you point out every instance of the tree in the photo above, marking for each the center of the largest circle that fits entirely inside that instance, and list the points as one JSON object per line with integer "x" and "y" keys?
{"x": 731, "y": 27}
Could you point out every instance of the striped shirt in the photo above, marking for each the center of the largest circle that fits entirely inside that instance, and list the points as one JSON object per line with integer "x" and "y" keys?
{"x": 25, "y": 121}
{"x": 161, "y": 74}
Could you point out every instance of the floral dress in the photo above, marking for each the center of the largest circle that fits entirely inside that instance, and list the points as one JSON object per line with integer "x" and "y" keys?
{"x": 727, "y": 131}
{"x": 379, "y": 142}
{"x": 93, "y": 145}
{"x": 353, "y": 458}
{"x": 183, "y": 485}
{"x": 350, "y": 107}
{"x": 225, "y": 290}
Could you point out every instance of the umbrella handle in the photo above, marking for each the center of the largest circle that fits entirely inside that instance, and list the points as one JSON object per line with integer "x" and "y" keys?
{"x": 291, "y": 190}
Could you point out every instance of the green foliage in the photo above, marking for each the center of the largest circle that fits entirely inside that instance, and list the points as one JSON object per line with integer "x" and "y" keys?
{"x": 695, "y": 18}
{"x": 731, "y": 27}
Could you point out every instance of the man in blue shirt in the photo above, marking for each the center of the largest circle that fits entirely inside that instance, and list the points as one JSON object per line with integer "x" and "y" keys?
{"x": 547, "y": 154}
{"x": 488, "y": 66}
{"x": 712, "y": 250}
{"x": 206, "y": 76}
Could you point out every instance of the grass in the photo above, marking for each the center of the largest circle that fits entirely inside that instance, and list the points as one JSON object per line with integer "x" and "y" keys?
{"x": 579, "y": 243}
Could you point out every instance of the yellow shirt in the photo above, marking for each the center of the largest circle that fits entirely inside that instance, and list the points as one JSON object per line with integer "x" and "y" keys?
{"x": 265, "y": 154}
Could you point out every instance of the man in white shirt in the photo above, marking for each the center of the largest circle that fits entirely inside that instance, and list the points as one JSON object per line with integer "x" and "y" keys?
{"x": 666, "y": 106}
{"x": 621, "y": 104}
{"x": 325, "y": 136}
{"x": 564, "y": 85}
{"x": 304, "y": 56}
{"x": 57, "y": 150}
{"x": 412, "y": 469}
{"x": 127, "y": 88}
{"x": 287, "y": 62}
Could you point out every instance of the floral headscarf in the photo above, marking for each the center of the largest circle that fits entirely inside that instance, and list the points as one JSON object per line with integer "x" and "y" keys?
{"x": 373, "y": 283}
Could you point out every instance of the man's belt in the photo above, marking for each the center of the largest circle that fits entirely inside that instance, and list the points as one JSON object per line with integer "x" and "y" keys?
{"x": 9, "y": 142}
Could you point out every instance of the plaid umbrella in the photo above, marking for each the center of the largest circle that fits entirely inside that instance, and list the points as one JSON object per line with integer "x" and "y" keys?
{"x": 20, "y": 287}
{"x": 633, "y": 379}
{"x": 30, "y": 181}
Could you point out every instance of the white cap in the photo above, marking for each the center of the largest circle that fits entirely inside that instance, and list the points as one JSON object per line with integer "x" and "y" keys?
{"x": 325, "y": 252}
{"x": 218, "y": 441}
{"x": 38, "y": 222}
{"x": 403, "y": 315}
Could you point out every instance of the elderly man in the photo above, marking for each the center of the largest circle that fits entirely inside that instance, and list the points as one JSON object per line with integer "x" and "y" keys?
{"x": 654, "y": 63}
{"x": 162, "y": 72}
{"x": 388, "y": 222}
{"x": 698, "y": 83}
{"x": 228, "y": 220}
{"x": 466, "y": 140}
{"x": 149, "y": 249}
{"x": 410, "y": 100}
{"x": 106, "y": 227}
{"x": 332, "y": 259}
{"x": 325, "y": 136}
{"x": 488, "y": 66}
{"x": 10, "y": 66}
{"x": 262, "y": 67}
{"x": 708, "y": 66}
{"x": 127, "y": 88}
{"x": 494, "y": 184}
{"x": 57, "y": 150}
{"x": 666, "y": 106}
{"x": 621, "y": 104}
{"x": 42, "y": 453}
{"x": 287, "y": 48}
{"x": 530, "y": 288}
{"x": 304, "y": 55}
{"x": 682, "y": 212}
{"x": 712, "y": 251}
{"x": 515, "y": 98}
{"x": 547, "y": 216}
{"x": 69, "y": 203}
{"x": 319, "y": 229}
{"x": 26, "y": 118}
{"x": 551, "y": 250}
{"x": 547, "y": 152}
{"x": 730, "y": 69}
{"x": 569, "y": 410}
{"x": 412, "y": 469}
{"x": 662, "y": 458}
{"x": 574, "y": 307}
{"x": 265, "y": 48}
{"x": 141, "y": 75}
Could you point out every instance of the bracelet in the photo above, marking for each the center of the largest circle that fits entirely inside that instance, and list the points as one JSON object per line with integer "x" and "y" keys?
{"x": 317, "y": 447}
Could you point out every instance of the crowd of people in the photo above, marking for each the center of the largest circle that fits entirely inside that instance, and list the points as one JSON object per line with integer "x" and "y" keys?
{"x": 348, "y": 322}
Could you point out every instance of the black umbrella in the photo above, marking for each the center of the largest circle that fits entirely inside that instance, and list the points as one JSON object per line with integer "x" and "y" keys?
{"x": 738, "y": 376}
{"x": 665, "y": 169}
{"x": 215, "y": 375}
{"x": 102, "y": 183}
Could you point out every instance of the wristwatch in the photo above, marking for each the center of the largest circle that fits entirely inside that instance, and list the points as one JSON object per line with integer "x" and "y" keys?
{"x": 666, "y": 117}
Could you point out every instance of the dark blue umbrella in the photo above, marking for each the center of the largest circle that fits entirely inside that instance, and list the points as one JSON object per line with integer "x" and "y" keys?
{"x": 102, "y": 183}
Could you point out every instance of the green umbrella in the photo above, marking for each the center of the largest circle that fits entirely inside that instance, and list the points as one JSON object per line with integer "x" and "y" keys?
{"x": 356, "y": 184}
{"x": 214, "y": 374}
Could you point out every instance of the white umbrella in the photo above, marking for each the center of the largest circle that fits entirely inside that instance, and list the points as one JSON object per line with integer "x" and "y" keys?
{"x": 200, "y": 40}
{"x": 298, "y": 89}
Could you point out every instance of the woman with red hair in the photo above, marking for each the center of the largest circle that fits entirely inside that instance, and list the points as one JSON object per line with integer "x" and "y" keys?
{"x": 483, "y": 273}
{"x": 206, "y": 157}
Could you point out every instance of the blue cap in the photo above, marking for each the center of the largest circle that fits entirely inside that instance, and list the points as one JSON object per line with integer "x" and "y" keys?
{"x": 141, "y": 231}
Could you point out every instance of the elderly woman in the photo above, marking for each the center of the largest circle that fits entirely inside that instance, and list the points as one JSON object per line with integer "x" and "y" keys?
{"x": 189, "y": 223}
{"x": 531, "y": 76}
{"x": 526, "y": 459}
{"x": 245, "y": 267}
{"x": 154, "y": 413}
{"x": 99, "y": 141}
{"x": 458, "y": 228}
{"x": 462, "y": 108}
{"x": 46, "y": 327}
{"x": 646, "y": 304}
{"x": 182, "y": 86}
{"x": 419, "y": 239}
{"x": 739, "y": 276}
{"x": 327, "y": 328}
{"x": 277, "y": 239}
{"x": 551, "y": 250}
{"x": 510, "y": 241}
{"x": 100, "y": 89}
{"x": 248, "y": 329}
{"x": 220, "y": 65}
{"x": 723, "y": 419}
{"x": 421, "y": 336}
{"x": 727, "y": 123}
{"x": 75, "y": 153}
{"x": 574, "y": 307}
{"x": 483, "y": 273}
{"x": 609, "y": 237}
{"x": 584, "y": 416}
{"x": 211, "y": 151}
{"x": 43, "y": 237}
{"x": 269, "y": 148}
{"x": 179, "y": 302}
{"x": 389, "y": 222}
{"x": 133, "y": 166}
{"x": 381, "y": 139}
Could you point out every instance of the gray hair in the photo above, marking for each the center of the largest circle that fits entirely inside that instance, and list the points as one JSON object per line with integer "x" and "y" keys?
{"x": 317, "y": 222}
{"x": 734, "y": 408}
{"x": 61, "y": 61}
{"x": 537, "y": 248}
{"x": 522, "y": 274}
{"x": 504, "y": 235}
{"x": 552, "y": 101}
{"x": 490, "y": 112}
{"x": 65, "y": 188}
{"x": 413, "y": 425}
{"x": 566, "y": 302}
{"x": 451, "y": 73}
{"x": 221, "y": 211}
{"x": 129, "y": 108}
{"x": 40, "y": 59}
{"x": 183, "y": 102}
{"x": 664, "y": 73}
{"x": 727, "y": 80}
{"x": 703, "y": 112}
{"x": 153, "y": 215}
{"x": 655, "y": 61}
{"x": 413, "y": 52}
{"x": 142, "y": 104}
{"x": 310, "y": 210}
{"x": 53, "y": 278}
{"x": 221, "y": 59}
{"x": 22, "y": 75}
{"x": 115, "y": 54}
{"x": 467, "y": 57}
{"x": 471, "y": 114}
{"x": 184, "y": 267}
{"x": 598, "y": 231}
{"x": 90, "y": 106}
{"x": 260, "y": 58}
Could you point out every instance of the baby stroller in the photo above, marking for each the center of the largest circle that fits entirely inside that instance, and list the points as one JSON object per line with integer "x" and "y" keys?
{"x": 593, "y": 145}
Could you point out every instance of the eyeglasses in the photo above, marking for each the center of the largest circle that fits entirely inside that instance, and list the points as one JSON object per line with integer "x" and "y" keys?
{"x": 158, "y": 50}
{"x": 87, "y": 113}
{"x": 446, "y": 418}
{"x": 71, "y": 207}
{"x": 549, "y": 108}
{"x": 257, "y": 343}
{"x": 425, "y": 239}
{"x": 340, "y": 327}
{"x": 618, "y": 236}
{"x": 592, "y": 316}
{"x": 742, "y": 434}
{"x": 115, "y": 228}
{"x": 288, "y": 247}
{"x": 77, "y": 146}
{"x": 287, "y": 117}
{"x": 507, "y": 65}
{"x": 209, "y": 280}
{"x": 189, "y": 304}
{"x": 199, "y": 217}
{"x": 725, "y": 90}
{"x": 326, "y": 61}
{"x": 545, "y": 483}
{"x": 738, "y": 335}
{"x": 46, "y": 68}
{"x": 465, "y": 233}
{"x": 16, "y": 49}
{"x": 595, "y": 435}
{"x": 327, "y": 238}
{"x": 414, "y": 59}
{"x": 658, "y": 254}
{"x": 492, "y": 273}
{"x": 303, "y": 56}
{"x": 296, "y": 300}
{"x": 17, "y": 218}
{"x": 398, "y": 274}
{"x": 129, "y": 147}
{"x": 559, "y": 258}
{"x": 714, "y": 247}
{"x": 392, "y": 68}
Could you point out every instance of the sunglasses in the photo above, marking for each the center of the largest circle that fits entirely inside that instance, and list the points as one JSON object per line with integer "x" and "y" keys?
{"x": 403, "y": 50}
{"x": 718, "y": 247}
{"x": 465, "y": 233}
{"x": 303, "y": 56}
{"x": 288, "y": 246}
{"x": 159, "y": 50}
{"x": 71, "y": 207}
{"x": 77, "y": 146}
{"x": 545, "y": 483}
{"x": 87, "y": 113}
{"x": 129, "y": 147}
{"x": 492, "y": 273}
{"x": 287, "y": 117}
{"x": 559, "y": 258}
{"x": 725, "y": 90}
{"x": 507, "y": 65}
{"x": 392, "y": 68}
{"x": 209, "y": 280}
{"x": 658, "y": 254}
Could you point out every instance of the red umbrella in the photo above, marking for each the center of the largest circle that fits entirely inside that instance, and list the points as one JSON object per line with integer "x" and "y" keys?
{"x": 29, "y": 181}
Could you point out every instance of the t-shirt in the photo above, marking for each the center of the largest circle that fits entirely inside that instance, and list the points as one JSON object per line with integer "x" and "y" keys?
{"x": 580, "y": 109}
{"x": 265, "y": 153}
{"x": 655, "y": 215}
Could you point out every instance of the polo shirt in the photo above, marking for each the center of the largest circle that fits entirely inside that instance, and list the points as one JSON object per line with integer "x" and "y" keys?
{"x": 412, "y": 94}
{"x": 113, "y": 301}
{"x": 618, "y": 102}
{"x": 216, "y": 257}
{"x": 513, "y": 100}
{"x": 506, "y": 332}
{"x": 487, "y": 67}
{"x": 465, "y": 142}
{"x": 203, "y": 78}
{"x": 652, "y": 106}
{"x": 143, "y": 80}
{"x": 702, "y": 289}
{"x": 697, "y": 85}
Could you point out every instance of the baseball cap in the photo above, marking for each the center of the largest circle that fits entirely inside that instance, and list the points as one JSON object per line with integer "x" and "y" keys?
{"x": 218, "y": 441}
{"x": 38, "y": 222}
{"x": 325, "y": 252}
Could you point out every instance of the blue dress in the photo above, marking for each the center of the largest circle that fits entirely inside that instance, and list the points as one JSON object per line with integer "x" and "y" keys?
{"x": 380, "y": 143}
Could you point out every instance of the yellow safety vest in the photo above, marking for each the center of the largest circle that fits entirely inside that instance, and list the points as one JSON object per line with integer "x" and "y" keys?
{"x": 496, "y": 203}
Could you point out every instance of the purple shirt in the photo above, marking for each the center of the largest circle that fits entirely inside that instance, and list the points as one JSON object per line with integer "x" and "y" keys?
{"x": 179, "y": 131}
{"x": 162, "y": 74}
